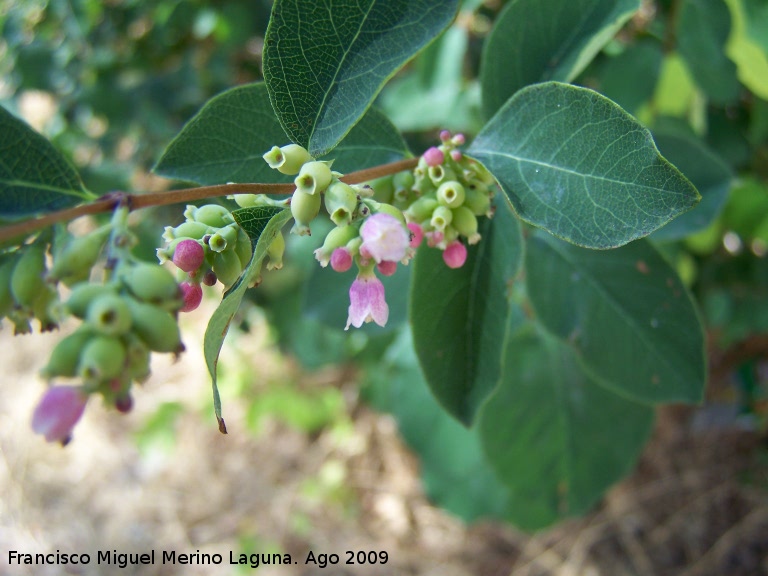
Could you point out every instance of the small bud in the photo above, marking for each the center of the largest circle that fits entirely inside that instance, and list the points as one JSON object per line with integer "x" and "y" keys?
{"x": 433, "y": 156}
{"x": 109, "y": 314}
{"x": 340, "y": 202}
{"x": 341, "y": 260}
{"x": 455, "y": 254}
{"x": 102, "y": 358}
{"x": 458, "y": 139}
{"x": 465, "y": 223}
{"x": 441, "y": 217}
{"x": 445, "y": 135}
{"x": 304, "y": 207}
{"x": 124, "y": 403}
{"x": 188, "y": 255}
{"x": 213, "y": 215}
{"x": 417, "y": 234}
{"x": 227, "y": 267}
{"x": 209, "y": 278}
{"x": 456, "y": 155}
{"x": 155, "y": 326}
{"x": 27, "y": 278}
{"x": 336, "y": 238}
{"x": 451, "y": 194}
{"x": 151, "y": 282}
{"x": 288, "y": 159}
{"x": 314, "y": 177}
{"x": 275, "y": 252}
{"x": 60, "y": 408}
{"x": 387, "y": 267}
{"x": 192, "y": 295}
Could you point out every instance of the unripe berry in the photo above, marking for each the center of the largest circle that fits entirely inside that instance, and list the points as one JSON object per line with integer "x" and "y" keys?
{"x": 465, "y": 223}
{"x": 243, "y": 249}
{"x": 340, "y": 202}
{"x": 287, "y": 159}
{"x": 6, "y": 297}
{"x": 155, "y": 326}
{"x": 192, "y": 295}
{"x": 336, "y": 238}
{"x": 383, "y": 189}
{"x": 65, "y": 356}
{"x": 102, "y": 358}
{"x": 43, "y": 308}
{"x": 27, "y": 278}
{"x": 227, "y": 267}
{"x": 314, "y": 177}
{"x": 74, "y": 262}
{"x": 439, "y": 174}
{"x": 137, "y": 359}
{"x": 83, "y": 294}
{"x": 151, "y": 282}
{"x": 478, "y": 199}
{"x": 188, "y": 255}
{"x": 246, "y": 200}
{"x": 403, "y": 180}
{"x": 441, "y": 217}
{"x": 212, "y": 215}
{"x": 222, "y": 238}
{"x": 109, "y": 314}
{"x": 275, "y": 252}
{"x": 190, "y": 229}
{"x": 421, "y": 209}
{"x": 451, "y": 194}
{"x": 304, "y": 208}
{"x": 383, "y": 208}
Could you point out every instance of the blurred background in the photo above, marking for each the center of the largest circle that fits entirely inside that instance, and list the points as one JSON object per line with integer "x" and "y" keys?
{"x": 335, "y": 443}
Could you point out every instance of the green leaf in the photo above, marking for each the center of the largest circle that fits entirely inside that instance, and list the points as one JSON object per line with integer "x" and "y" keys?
{"x": 555, "y": 438}
{"x": 262, "y": 224}
{"x": 702, "y": 31}
{"x": 706, "y": 171}
{"x": 533, "y": 41}
{"x": 226, "y": 140}
{"x": 756, "y": 17}
{"x": 455, "y": 472}
{"x": 325, "y": 62}
{"x": 626, "y": 314}
{"x": 748, "y": 43}
{"x": 458, "y": 316}
{"x": 574, "y": 163}
{"x": 35, "y": 178}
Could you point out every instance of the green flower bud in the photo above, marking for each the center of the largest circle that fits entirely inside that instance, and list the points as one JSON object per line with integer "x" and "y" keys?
{"x": 403, "y": 180}
{"x": 304, "y": 208}
{"x": 152, "y": 283}
{"x": 340, "y": 202}
{"x": 243, "y": 248}
{"x": 74, "y": 262}
{"x": 275, "y": 252}
{"x": 465, "y": 223}
{"x": 6, "y": 297}
{"x": 383, "y": 189}
{"x": 336, "y": 238}
{"x": 421, "y": 209}
{"x": 192, "y": 229}
{"x": 224, "y": 237}
{"x": 227, "y": 267}
{"x": 451, "y": 194}
{"x": 155, "y": 326}
{"x": 109, "y": 314}
{"x": 314, "y": 177}
{"x": 65, "y": 357}
{"x": 84, "y": 293}
{"x": 27, "y": 278}
{"x": 212, "y": 215}
{"x": 478, "y": 199}
{"x": 287, "y": 159}
{"x": 102, "y": 358}
{"x": 441, "y": 217}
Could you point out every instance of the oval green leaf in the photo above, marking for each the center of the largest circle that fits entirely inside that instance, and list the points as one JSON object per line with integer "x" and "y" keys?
{"x": 226, "y": 140}
{"x": 556, "y": 439}
{"x": 325, "y": 62}
{"x": 458, "y": 317}
{"x": 626, "y": 314}
{"x": 574, "y": 163}
{"x": 534, "y": 41}
{"x": 35, "y": 178}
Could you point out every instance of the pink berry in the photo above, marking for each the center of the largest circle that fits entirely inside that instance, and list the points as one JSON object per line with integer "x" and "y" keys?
{"x": 193, "y": 295}
{"x": 387, "y": 267}
{"x": 417, "y": 234}
{"x": 341, "y": 260}
{"x": 455, "y": 254}
{"x": 433, "y": 156}
{"x": 189, "y": 255}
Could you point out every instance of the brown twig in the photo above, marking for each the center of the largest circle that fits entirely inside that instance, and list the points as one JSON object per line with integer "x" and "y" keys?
{"x": 136, "y": 201}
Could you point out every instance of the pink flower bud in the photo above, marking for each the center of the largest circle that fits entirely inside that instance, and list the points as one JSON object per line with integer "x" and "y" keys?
{"x": 366, "y": 301}
{"x": 192, "y": 294}
{"x": 387, "y": 268}
{"x": 458, "y": 139}
{"x": 417, "y": 234}
{"x": 189, "y": 255}
{"x": 384, "y": 238}
{"x": 124, "y": 403}
{"x": 456, "y": 155}
{"x": 455, "y": 254}
{"x": 433, "y": 156}
{"x": 445, "y": 135}
{"x": 209, "y": 278}
{"x": 341, "y": 260}
{"x": 434, "y": 238}
{"x": 57, "y": 413}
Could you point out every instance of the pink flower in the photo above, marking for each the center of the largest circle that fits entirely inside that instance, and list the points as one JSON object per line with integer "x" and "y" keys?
{"x": 192, "y": 295}
{"x": 433, "y": 156}
{"x": 188, "y": 255}
{"x": 57, "y": 413}
{"x": 455, "y": 254}
{"x": 366, "y": 301}
{"x": 417, "y": 234}
{"x": 341, "y": 260}
{"x": 384, "y": 238}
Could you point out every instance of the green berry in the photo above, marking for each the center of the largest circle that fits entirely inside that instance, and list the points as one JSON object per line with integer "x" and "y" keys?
{"x": 340, "y": 202}
{"x": 227, "y": 267}
{"x": 192, "y": 229}
{"x": 102, "y": 358}
{"x": 6, "y": 297}
{"x": 27, "y": 281}
{"x": 65, "y": 357}
{"x": 465, "y": 223}
{"x": 109, "y": 314}
{"x": 275, "y": 252}
{"x": 304, "y": 208}
{"x": 83, "y": 294}
{"x": 137, "y": 359}
{"x": 287, "y": 159}
{"x": 243, "y": 248}
{"x": 314, "y": 177}
{"x": 213, "y": 215}
{"x": 451, "y": 194}
{"x": 74, "y": 262}
{"x": 441, "y": 217}
{"x": 152, "y": 283}
{"x": 224, "y": 237}
{"x": 155, "y": 326}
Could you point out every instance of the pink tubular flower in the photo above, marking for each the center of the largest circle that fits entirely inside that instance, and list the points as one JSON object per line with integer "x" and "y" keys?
{"x": 57, "y": 413}
{"x": 455, "y": 254}
{"x": 417, "y": 234}
{"x": 192, "y": 294}
{"x": 188, "y": 255}
{"x": 384, "y": 238}
{"x": 366, "y": 301}
{"x": 341, "y": 260}
{"x": 433, "y": 156}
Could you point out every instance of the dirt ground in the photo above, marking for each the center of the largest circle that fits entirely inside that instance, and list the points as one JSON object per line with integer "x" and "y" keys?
{"x": 697, "y": 504}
